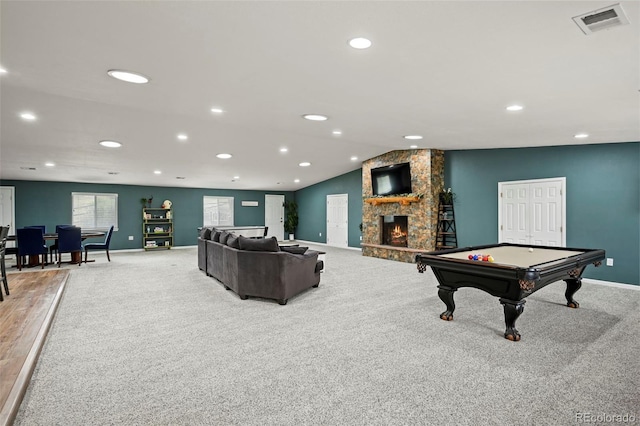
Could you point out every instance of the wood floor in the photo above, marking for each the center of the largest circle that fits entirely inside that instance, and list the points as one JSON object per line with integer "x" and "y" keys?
{"x": 25, "y": 317}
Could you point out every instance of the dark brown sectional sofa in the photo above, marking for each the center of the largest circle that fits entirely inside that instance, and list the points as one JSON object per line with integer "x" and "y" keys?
{"x": 257, "y": 267}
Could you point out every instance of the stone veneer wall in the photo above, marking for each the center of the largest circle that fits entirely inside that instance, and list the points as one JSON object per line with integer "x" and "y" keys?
{"x": 427, "y": 178}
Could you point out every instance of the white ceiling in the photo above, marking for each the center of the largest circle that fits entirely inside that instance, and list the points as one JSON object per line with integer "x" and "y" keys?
{"x": 444, "y": 70}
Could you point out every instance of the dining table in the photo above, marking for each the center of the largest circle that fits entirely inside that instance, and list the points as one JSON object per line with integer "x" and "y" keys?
{"x": 76, "y": 257}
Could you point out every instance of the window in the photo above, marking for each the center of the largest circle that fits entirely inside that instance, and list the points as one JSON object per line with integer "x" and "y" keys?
{"x": 94, "y": 211}
{"x": 217, "y": 211}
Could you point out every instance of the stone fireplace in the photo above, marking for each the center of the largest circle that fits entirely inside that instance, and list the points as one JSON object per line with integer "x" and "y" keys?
{"x": 394, "y": 231}
{"x": 398, "y": 228}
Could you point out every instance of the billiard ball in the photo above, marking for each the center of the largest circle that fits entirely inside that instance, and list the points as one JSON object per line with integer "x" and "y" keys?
{"x": 530, "y": 250}
{"x": 470, "y": 257}
{"x": 475, "y": 257}
{"x": 490, "y": 258}
{"x": 485, "y": 258}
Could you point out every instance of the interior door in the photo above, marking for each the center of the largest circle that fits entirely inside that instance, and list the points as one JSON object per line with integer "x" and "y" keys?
{"x": 338, "y": 220}
{"x": 532, "y": 212}
{"x": 7, "y": 210}
{"x": 274, "y": 215}
{"x": 515, "y": 209}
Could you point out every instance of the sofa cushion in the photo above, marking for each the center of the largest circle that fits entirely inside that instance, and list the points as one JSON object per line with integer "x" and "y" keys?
{"x": 215, "y": 236}
{"x": 223, "y": 237}
{"x": 205, "y": 233}
{"x": 232, "y": 241}
{"x": 294, "y": 249}
{"x": 258, "y": 244}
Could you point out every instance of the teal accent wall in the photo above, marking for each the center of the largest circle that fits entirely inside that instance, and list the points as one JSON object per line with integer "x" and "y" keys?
{"x": 49, "y": 203}
{"x": 603, "y": 197}
{"x": 312, "y": 207}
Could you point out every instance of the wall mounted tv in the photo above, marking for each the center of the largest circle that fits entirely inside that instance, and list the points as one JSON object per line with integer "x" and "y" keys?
{"x": 391, "y": 180}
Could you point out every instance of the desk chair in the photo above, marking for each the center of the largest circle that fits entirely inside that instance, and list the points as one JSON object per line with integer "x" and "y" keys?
{"x": 70, "y": 241}
{"x": 4, "y": 231}
{"x": 31, "y": 243}
{"x": 99, "y": 246}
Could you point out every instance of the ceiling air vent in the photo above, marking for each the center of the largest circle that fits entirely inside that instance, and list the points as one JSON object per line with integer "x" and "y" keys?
{"x": 601, "y": 19}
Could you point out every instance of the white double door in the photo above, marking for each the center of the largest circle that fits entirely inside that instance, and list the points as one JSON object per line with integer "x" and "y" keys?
{"x": 532, "y": 212}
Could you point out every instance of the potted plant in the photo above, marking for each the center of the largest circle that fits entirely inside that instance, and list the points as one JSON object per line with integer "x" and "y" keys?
{"x": 446, "y": 196}
{"x": 291, "y": 221}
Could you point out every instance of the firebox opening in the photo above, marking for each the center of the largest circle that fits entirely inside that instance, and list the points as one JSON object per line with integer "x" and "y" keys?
{"x": 394, "y": 230}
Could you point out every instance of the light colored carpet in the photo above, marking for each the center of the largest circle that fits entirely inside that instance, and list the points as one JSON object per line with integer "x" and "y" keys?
{"x": 148, "y": 339}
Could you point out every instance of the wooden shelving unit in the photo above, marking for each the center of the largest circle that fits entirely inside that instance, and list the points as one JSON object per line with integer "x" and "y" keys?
{"x": 157, "y": 228}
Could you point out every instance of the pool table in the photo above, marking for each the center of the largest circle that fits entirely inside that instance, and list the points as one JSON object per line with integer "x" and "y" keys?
{"x": 516, "y": 272}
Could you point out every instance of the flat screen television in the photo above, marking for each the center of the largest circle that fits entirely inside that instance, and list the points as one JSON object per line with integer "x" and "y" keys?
{"x": 391, "y": 180}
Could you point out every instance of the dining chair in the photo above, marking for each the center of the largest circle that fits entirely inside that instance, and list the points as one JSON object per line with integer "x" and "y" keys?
{"x": 31, "y": 243}
{"x": 4, "y": 231}
{"x": 99, "y": 246}
{"x": 70, "y": 241}
{"x": 53, "y": 248}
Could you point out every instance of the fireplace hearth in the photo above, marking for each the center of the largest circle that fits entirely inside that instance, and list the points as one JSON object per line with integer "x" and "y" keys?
{"x": 394, "y": 231}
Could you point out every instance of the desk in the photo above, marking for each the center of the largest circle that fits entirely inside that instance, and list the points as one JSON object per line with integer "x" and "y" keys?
{"x": 517, "y": 271}
{"x": 54, "y": 236}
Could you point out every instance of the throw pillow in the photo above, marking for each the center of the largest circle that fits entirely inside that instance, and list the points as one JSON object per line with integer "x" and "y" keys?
{"x": 294, "y": 250}
{"x": 232, "y": 241}
{"x": 223, "y": 237}
{"x": 215, "y": 236}
{"x": 205, "y": 233}
{"x": 258, "y": 244}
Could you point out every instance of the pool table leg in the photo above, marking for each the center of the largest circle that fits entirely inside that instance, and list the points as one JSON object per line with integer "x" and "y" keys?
{"x": 573, "y": 285}
{"x": 446, "y": 295}
{"x": 512, "y": 310}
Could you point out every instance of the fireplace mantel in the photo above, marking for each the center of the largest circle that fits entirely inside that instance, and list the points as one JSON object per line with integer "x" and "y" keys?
{"x": 405, "y": 201}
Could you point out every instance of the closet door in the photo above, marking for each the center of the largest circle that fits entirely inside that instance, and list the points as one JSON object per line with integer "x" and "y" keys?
{"x": 532, "y": 212}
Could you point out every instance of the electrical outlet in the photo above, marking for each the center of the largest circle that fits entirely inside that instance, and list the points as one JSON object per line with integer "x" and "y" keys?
{"x": 130, "y": 237}
{"x": 360, "y": 237}
{"x": 320, "y": 234}
{"x": 609, "y": 261}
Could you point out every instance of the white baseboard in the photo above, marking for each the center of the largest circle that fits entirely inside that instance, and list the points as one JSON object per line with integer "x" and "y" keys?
{"x": 612, "y": 284}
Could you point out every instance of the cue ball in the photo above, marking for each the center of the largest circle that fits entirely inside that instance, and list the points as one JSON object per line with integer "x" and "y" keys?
{"x": 530, "y": 250}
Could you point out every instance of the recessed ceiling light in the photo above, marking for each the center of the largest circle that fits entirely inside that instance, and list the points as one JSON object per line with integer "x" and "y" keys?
{"x": 217, "y": 110}
{"x": 129, "y": 77}
{"x": 236, "y": 177}
{"x": 3, "y": 71}
{"x": 283, "y": 149}
{"x": 515, "y": 108}
{"x": 296, "y": 180}
{"x": 413, "y": 137}
{"x": 581, "y": 136}
{"x": 224, "y": 156}
{"x": 360, "y": 43}
{"x": 183, "y": 137}
{"x": 111, "y": 144}
{"x": 49, "y": 164}
{"x": 28, "y": 116}
{"x": 413, "y": 146}
{"x": 157, "y": 172}
{"x": 315, "y": 117}
{"x": 337, "y": 132}
{"x": 354, "y": 158}
{"x": 304, "y": 164}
